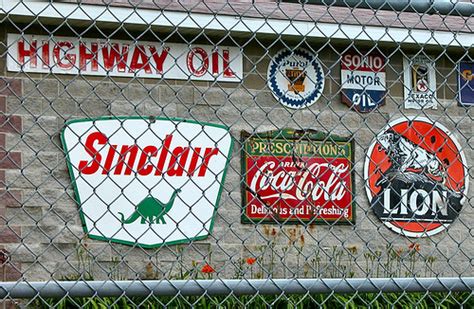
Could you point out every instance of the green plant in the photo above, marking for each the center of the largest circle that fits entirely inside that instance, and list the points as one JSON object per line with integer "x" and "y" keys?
{"x": 413, "y": 255}
{"x": 369, "y": 262}
{"x": 356, "y": 300}
{"x": 116, "y": 272}
{"x": 430, "y": 260}
{"x": 316, "y": 263}
{"x": 392, "y": 261}
{"x": 239, "y": 269}
{"x": 84, "y": 260}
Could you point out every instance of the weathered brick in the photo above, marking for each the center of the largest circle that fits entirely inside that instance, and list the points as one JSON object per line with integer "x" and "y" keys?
{"x": 11, "y": 124}
{"x": 3, "y": 104}
{"x": 9, "y": 304}
{"x": 25, "y": 106}
{"x": 91, "y": 107}
{"x": 2, "y": 179}
{"x": 210, "y": 96}
{"x": 10, "y": 160}
{"x": 12, "y": 272}
{"x": 255, "y": 81}
{"x": 10, "y": 234}
{"x": 10, "y": 87}
{"x": 28, "y": 216}
{"x": 176, "y": 94}
{"x": 76, "y": 89}
{"x": 10, "y": 198}
{"x": 40, "y": 88}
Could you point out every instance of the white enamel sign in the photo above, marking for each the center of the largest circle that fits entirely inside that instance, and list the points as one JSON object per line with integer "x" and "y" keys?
{"x": 419, "y": 79}
{"x": 296, "y": 78}
{"x": 363, "y": 81}
{"x": 147, "y": 182}
{"x": 85, "y": 56}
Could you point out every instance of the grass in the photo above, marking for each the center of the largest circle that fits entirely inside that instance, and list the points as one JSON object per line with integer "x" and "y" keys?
{"x": 359, "y": 300}
{"x": 335, "y": 262}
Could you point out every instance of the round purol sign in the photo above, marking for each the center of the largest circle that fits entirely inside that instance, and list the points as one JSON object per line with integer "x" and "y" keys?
{"x": 416, "y": 177}
{"x": 147, "y": 182}
{"x": 296, "y": 78}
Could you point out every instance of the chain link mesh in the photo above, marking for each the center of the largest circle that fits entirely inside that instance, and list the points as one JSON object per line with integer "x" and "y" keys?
{"x": 42, "y": 236}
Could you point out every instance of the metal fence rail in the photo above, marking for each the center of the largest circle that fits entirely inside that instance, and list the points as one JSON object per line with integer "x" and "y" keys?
{"x": 224, "y": 287}
{"x": 211, "y": 148}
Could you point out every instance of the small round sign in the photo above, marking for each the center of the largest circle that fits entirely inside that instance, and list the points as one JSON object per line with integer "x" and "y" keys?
{"x": 416, "y": 177}
{"x": 296, "y": 78}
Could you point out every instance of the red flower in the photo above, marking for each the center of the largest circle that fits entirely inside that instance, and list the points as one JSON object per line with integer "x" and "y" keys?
{"x": 302, "y": 240}
{"x": 415, "y": 246}
{"x": 251, "y": 261}
{"x": 3, "y": 256}
{"x": 207, "y": 269}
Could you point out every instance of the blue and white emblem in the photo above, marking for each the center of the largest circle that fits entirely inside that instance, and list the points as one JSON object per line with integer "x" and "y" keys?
{"x": 363, "y": 81}
{"x": 296, "y": 78}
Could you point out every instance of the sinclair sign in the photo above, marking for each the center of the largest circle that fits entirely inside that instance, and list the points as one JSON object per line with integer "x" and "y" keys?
{"x": 363, "y": 80}
{"x": 85, "y": 56}
{"x": 297, "y": 177}
{"x": 146, "y": 182}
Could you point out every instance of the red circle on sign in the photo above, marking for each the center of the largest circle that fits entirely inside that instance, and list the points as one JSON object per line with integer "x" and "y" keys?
{"x": 445, "y": 165}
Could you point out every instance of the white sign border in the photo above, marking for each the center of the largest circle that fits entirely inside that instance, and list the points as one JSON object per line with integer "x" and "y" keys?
{"x": 407, "y": 89}
{"x": 136, "y": 243}
{"x": 174, "y": 72}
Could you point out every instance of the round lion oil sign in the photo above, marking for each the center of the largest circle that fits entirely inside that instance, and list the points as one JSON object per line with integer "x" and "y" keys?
{"x": 416, "y": 177}
{"x": 296, "y": 78}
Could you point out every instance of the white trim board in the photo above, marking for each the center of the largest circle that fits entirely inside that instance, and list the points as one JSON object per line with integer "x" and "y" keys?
{"x": 161, "y": 18}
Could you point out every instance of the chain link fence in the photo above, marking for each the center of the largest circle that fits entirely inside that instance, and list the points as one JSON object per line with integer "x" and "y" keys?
{"x": 169, "y": 150}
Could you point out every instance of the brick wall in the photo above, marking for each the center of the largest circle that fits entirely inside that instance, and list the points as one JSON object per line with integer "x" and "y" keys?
{"x": 10, "y": 197}
{"x": 40, "y": 226}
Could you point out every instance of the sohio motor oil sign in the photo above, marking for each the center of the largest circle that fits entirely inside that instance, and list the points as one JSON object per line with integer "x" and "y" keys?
{"x": 416, "y": 177}
{"x": 147, "y": 182}
{"x": 363, "y": 80}
{"x": 295, "y": 176}
{"x": 84, "y": 56}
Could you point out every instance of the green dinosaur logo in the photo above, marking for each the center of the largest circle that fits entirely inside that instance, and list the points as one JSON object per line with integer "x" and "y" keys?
{"x": 151, "y": 210}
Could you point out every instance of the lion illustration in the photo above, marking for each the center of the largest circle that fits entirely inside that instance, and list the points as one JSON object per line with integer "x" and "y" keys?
{"x": 407, "y": 156}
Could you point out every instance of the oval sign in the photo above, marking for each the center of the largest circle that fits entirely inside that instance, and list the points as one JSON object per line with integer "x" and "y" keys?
{"x": 296, "y": 78}
{"x": 416, "y": 177}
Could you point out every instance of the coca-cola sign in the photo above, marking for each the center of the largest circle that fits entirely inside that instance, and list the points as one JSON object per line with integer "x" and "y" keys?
{"x": 294, "y": 176}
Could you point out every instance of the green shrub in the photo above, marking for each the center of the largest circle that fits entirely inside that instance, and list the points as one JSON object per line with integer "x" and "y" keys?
{"x": 358, "y": 300}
